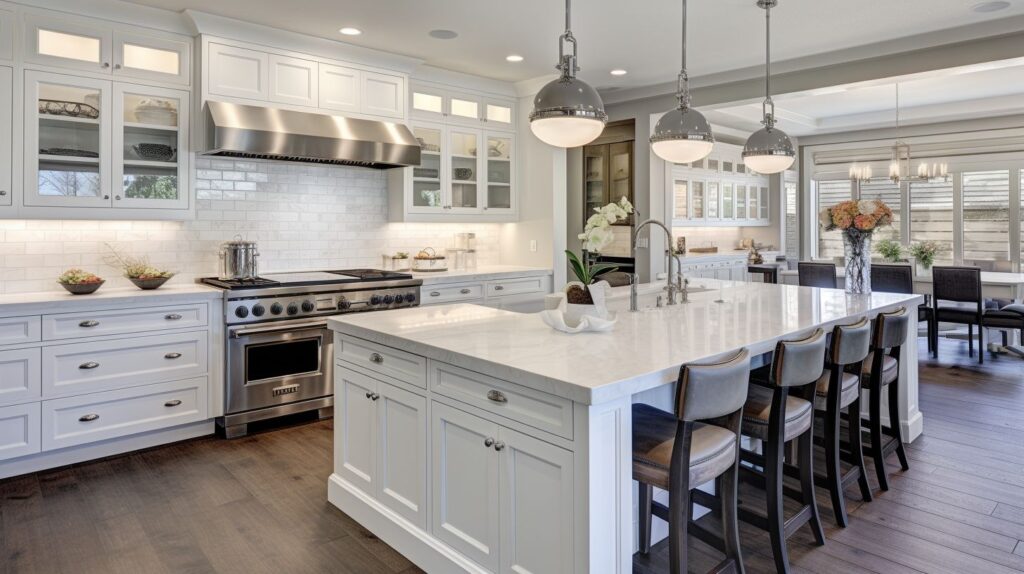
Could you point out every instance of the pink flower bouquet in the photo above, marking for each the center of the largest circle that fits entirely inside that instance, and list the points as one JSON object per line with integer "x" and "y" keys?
{"x": 857, "y": 216}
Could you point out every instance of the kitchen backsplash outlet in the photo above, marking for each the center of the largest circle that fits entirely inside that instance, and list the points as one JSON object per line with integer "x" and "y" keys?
{"x": 302, "y": 216}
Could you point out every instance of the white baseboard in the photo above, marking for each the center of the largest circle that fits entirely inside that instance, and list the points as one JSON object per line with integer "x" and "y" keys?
{"x": 82, "y": 453}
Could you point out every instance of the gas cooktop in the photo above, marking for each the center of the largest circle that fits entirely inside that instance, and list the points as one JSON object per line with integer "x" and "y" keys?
{"x": 306, "y": 278}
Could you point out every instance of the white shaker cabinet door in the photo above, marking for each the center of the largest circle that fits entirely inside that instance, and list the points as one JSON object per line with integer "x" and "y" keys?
{"x": 6, "y": 134}
{"x": 20, "y": 430}
{"x": 355, "y": 443}
{"x": 465, "y": 484}
{"x": 339, "y": 88}
{"x": 383, "y": 95}
{"x": 293, "y": 81}
{"x": 402, "y": 453}
{"x": 238, "y": 72}
{"x": 536, "y": 505}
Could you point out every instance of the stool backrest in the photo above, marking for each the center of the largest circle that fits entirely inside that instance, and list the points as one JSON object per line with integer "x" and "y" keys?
{"x": 851, "y": 343}
{"x": 817, "y": 274}
{"x": 892, "y": 278}
{"x": 708, "y": 391}
{"x": 798, "y": 363}
{"x": 961, "y": 284}
{"x": 891, "y": 329}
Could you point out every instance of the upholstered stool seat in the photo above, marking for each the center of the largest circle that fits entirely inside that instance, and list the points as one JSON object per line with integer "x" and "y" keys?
{"x": 712, "y": 450}
{"x": 849, "y": 390}
{"x": 890, "y": 369}
{"x": 758, "y": 410}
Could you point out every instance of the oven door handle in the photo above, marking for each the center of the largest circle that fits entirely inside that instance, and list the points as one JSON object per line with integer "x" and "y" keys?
{"x": 236, "y": 333}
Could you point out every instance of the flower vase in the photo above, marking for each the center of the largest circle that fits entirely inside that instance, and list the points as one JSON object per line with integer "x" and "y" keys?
{"x": 857, "y": 259}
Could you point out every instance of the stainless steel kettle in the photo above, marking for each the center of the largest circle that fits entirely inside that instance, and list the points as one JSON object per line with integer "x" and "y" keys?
{"x": 239, "y": 259}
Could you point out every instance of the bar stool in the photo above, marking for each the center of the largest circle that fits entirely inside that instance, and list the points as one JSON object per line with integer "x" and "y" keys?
{"x": 838, "y": 389}
{"x": 817, "y": 274}
{"x": 881, "y": 370}
{"x": 676, "y": 453}
{"x": 776, "y": 417}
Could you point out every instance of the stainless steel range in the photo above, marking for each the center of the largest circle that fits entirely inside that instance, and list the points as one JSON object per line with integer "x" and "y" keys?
{"x": 278, "y": 349}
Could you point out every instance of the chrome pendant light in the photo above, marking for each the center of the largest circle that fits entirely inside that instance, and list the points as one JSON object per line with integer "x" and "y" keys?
{"x": 769, "y": 149}
{"x": 683, "y": 134}
{"x": 567, "y": 112}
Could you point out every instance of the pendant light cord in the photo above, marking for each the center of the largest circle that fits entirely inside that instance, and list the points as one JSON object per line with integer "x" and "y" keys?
{"x": 567, "y": 62}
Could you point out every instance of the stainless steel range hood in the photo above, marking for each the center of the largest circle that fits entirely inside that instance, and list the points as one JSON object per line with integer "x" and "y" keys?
{"x": 236, "y": 130}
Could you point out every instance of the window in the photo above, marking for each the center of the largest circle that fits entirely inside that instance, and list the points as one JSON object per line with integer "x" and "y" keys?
{"x": 792, "y": 223}
{"x": 826, "y": 194}
{"x": 987, "y": 219}
{"x": 889, "y": 193}
{"x": 931, "y": 217}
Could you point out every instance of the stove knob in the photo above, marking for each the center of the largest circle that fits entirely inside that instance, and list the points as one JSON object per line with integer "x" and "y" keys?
{"x": 241, "y": 312}
{"x": 259, "y": 310}
{"x": 308, "y": 306}
{"x": 388, "y": 299}
{"x": 276, "y": 309}
{"x": 410, "y": 297}
{"x": 343, "y": 304}
{"x": 293, "y": 309}
{"x": 375, "y": 300}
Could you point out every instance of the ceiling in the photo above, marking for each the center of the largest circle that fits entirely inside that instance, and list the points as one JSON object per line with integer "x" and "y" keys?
{"x": 640, "y": 37}
{"x": 982, "y": 91}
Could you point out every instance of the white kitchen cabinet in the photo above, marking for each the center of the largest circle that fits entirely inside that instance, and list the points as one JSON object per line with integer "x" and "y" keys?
{"x": 426, "y": 188}
{"x": 464, "y": 173}
{"x": 428, "y": 103}
{"x": 68, "y": 43}
{"x": 339, "y": 88}
{"x": 20, "y": 431}
{"x": 293, "y": 81}
{"x": 238, "y": 72}
{"x": 498, "y": 173}
{"x": 461, "y": 107}
{"x": 16, "y": 330}
{"x": 6, "y": 34}
{"x": 499, "y": 113}
{"x": 355, "y": 455}
{"x": 383, "y": 94}
{"x": 6, "y": 135}
{"x": 143, "y": 57}
{"x": 20, "y": 375}
{"x": 464, "y": 109}
{"x": 466, "y": 482}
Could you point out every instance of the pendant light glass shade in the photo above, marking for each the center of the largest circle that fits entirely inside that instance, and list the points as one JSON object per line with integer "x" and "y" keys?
{"x": 768, "y": 150}
{"x": 567, "y": 112}
{"x": 683, "y": 134}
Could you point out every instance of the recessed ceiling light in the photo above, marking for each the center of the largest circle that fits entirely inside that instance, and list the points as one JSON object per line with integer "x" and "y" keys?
{"x": 350, "y": 31}
{"x": 995, "y": 6}
{"x": 514, "y": 58}
{"x": 618, "y": 72}
{"x": 443, "y": 34}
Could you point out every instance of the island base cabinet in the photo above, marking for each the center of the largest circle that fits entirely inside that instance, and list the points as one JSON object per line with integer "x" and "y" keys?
{"x": 382, "y": 446}
{"x": 501, "y": 498}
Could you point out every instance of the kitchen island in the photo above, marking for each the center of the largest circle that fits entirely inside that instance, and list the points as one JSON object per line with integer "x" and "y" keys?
{"x": 480, "y": 440}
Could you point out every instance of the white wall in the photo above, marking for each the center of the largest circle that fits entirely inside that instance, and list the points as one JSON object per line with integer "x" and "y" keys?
{"x": 303, "y": 217}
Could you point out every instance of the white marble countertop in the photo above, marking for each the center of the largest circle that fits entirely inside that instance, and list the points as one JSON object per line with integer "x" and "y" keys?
{"x": 56, "y": 301}
{"x": 481, "y": 273}
{"x": 644, "y": 350}
{"x": 987, "y": 277}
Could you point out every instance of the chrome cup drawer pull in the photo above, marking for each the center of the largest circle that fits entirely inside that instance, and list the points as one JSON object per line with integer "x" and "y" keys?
{"x": 89, "y": 365}
{"x": 465, "y": 291}
{"x": 87, "y": 324}
{"x": 499, "y": 287}
{"x": 435, "y": 293}
{"x": 173, "y": 403}
{"x": 173, "y": 317}
{"x": 172, "y": 356}
{"x": 497, "y": 396}
{"x": 88, "y": 418}
{"x": 376, "y": 358}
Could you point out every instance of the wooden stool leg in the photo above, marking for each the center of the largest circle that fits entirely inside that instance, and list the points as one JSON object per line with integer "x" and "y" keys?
{"x": 730, "y": 521}
{"x": 981, "y": 345}
{"x": 857, "y": 451}
{"x": 833, "y": 471}
{"x": 894, "y": 422}
{"x": 679, "y": 520}
{"x": 773, "y": 491}
{"x": 646, "y": 499}
{"x": 875, "y": 424}
{"x": 970, "y": 340}
{"x": 806, "y": 461}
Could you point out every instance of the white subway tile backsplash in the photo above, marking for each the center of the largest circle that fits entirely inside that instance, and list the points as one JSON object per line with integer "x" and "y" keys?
{"x": 302, "y": 216}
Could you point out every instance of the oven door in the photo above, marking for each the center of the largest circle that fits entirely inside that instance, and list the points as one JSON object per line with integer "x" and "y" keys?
{"x": 278, "y": 363}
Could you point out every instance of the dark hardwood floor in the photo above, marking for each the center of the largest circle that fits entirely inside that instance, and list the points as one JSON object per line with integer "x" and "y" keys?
{"x": 258, "y": 504}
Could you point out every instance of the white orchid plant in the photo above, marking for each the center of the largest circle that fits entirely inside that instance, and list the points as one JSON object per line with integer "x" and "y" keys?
{"x": 596, "y": 236}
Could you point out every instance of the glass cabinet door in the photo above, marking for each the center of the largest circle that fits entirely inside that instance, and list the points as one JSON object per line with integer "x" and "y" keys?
{"x": 151, "y": 58}
{"x": 464, "y": 109}
{"x": 67, "y": 135}
{"x": 500, "y": 151}
{"x": 697, "y": 200}
{"x": 763, "y": 203}
{"x": 680, "y": 191}
{"x": 741, "y": 202}
{"x": 727, "y": 201}
{"x": 713, "y": 200}
{"x": 620, "y": 167}
{"x": 752, "y": 202}
{"x": 427, "y": 184}
{"x": 150, "y": 149}
{"x": 499, "y": 114}
{"x": 464, "y": 173}
{"x": 427, "y": 103}
{"x": 595, "y": 174}
{"x": 58, "y": 42}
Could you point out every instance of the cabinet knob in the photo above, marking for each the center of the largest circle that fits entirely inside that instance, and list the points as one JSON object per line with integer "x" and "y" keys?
{"x": 173, "y": 317}
{"x": 117, "y": 66}
{"x": 465, "y": 291}
{"x": 88, "y": 324}
{"x": 88, "y": 418}
{"x": 376, "y": 358}
{"x": 2, "y": 193}
{"x": 173, "y": 403}
{"x": 89, "y": 365}
{"x": 106, "y": 197}
{"x": 499, "y": 446}
{"x": 117, "y": 197}
{"x": 488, "y": 442}
{"x": 374, "y": 396}
{"x": 368, "y": 394}
{"x": 497, "y": 396}
{"x": 172, "y": 356}
{"x": 106, "y": 65}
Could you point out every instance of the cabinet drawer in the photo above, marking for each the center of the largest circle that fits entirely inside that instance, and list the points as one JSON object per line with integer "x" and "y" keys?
{"x": 102, "y": 365}
{"x": 98, "y": 416}
{"x": 19, "y": 430}
{"x": 534, "y": 408}
{"x": 15, "y": 330}
{"x": 438, "y": 294}
{"x": 515, "y": 286}
{"x": 19, "y": 375}
{"x": 89, "y": 324}
{"x": 393, "y": 363}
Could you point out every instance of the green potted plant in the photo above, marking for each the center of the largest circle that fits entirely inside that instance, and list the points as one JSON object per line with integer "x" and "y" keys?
{"x": 890, "y": 250}
{"x": 596, "y": 236}
{"x": 924, "y": 252}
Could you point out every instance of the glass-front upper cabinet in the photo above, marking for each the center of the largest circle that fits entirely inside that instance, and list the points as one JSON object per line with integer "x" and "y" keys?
{"x": 713, "y": 200}
{"x": 752, "y": 202}
{"x": 427, "y": 184}
{"x": 595, "y": 169}
{"x": 148, "y": 170}
{"x": 500, "y": 151}
{"x": 464, "y": 174}
{"x": 464, "y": 109}
{"x": 499, "y": 113}
{"x": 427, "y": 103}
{"x": 620, "y": 177}
{"x": 151, "y": 58}
{"x": 727, "y": 201}
{"x": 67, "y": 140}
{"x": 763, "y": 203}
{"x": 680, "y": 189}
{"x": 697, "y": 200}
{"x": 741, "y": 202}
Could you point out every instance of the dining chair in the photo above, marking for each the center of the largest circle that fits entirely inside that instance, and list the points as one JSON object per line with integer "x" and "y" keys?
{"x": 817, "y": 274}
{"x": 957, "y": 298}
{"x": 888, "y": 278}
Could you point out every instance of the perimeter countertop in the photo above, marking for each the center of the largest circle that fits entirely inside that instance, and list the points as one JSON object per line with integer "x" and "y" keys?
{"x": 644, "y": 350}
{"x": 481, "y": 273}
{"x": 57, "y": 301}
